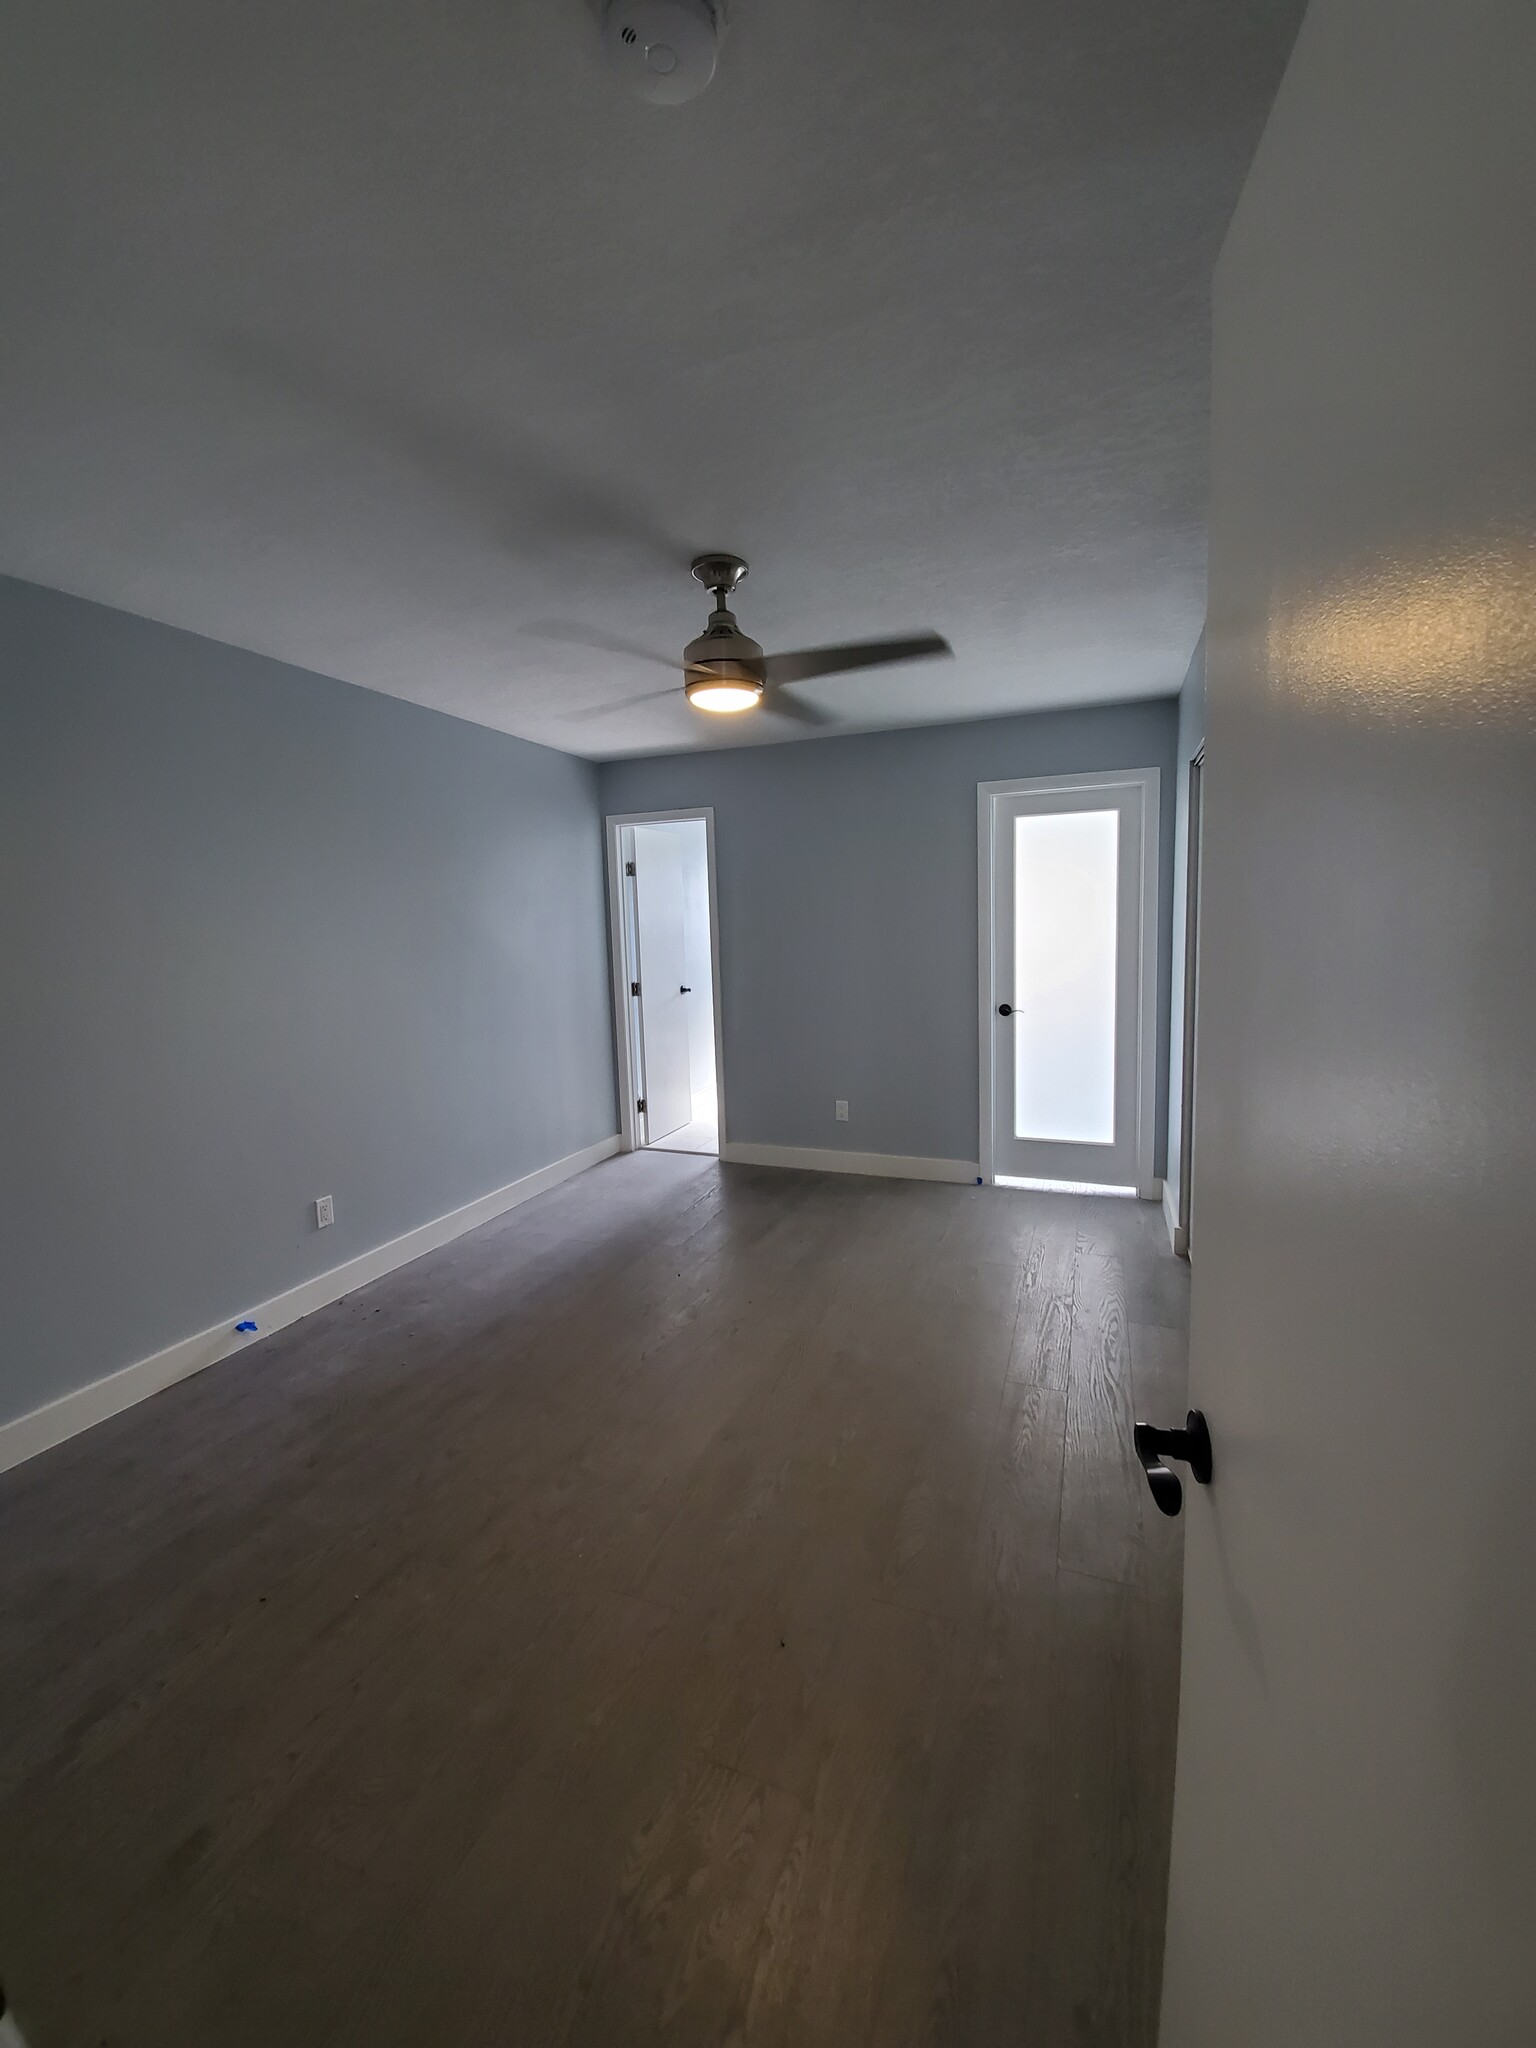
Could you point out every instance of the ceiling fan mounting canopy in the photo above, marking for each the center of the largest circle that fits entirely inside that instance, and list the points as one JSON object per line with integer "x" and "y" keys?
{"x": 719, "y": 573}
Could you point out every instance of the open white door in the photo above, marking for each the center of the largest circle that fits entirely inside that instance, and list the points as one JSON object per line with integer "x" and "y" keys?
{"x": 662, "y": 962}
{"x": 1354, "y": 1856}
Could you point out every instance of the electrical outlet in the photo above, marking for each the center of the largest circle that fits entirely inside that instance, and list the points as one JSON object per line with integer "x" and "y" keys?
{"x": 325, "y": 1212}
{"x": 841, "y": 1109}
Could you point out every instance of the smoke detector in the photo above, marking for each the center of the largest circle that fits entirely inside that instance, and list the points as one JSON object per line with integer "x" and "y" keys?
{"x": 664, "y": 50}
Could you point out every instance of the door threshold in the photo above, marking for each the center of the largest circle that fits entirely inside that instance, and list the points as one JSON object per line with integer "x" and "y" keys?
{"x": 1060, "y": 1187}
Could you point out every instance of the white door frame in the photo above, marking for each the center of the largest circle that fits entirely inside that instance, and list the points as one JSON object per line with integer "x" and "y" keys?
{"x": 1148, "y": 780}
{"x": 1189, "y": 1050}
{"x": 623, "y": 1044}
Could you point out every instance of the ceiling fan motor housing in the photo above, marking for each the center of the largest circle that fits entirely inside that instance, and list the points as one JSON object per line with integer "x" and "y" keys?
{"x": 724, "y": 653}
{"x": 664, "y": 50}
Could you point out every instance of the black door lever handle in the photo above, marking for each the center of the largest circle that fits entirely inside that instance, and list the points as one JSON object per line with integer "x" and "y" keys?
{"x": 685, "y": 991}
{"x": 1191, "y": 1445}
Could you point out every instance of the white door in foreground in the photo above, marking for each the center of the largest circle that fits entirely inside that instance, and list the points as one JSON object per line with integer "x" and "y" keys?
{"x": 1069, "y": 868}
{"x": 1354, "y": 1852}
{"x": 662, "y": 960}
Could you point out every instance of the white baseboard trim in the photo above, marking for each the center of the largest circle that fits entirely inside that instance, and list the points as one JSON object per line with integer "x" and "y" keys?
{"x": 885, "y": 1165}
{"x": 1171, "y": 1218}
{"x": 27, "y": 1435}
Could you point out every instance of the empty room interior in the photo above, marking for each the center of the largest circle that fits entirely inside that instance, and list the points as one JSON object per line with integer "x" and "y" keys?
{"x": 767, "y": 914}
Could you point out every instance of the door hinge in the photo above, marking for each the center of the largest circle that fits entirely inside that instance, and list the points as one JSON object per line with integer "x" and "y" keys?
{"x": 640, "y": 1105}
{"x": 634, "y": 988}
{"x": 629, "y": 867}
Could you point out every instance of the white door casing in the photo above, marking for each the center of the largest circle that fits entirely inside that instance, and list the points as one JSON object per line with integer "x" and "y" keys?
{"x": 661, "y": 960}
{"x": 617, "y": 831}
{"x": 1189, "y": 1056}
{"x": 1111, "y": 817}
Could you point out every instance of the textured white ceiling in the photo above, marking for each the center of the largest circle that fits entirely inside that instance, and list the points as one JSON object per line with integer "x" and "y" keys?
{"x": 394, "y": 340}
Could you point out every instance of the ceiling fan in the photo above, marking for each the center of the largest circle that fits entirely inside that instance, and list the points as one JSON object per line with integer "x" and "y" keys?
{"x": 724, "y": 670}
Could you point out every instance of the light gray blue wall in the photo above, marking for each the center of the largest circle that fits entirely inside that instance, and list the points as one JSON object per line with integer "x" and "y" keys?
{"x": 848, "y": 947}
{"x": 1191, "y": 739}
{"x": 264, "y": 936}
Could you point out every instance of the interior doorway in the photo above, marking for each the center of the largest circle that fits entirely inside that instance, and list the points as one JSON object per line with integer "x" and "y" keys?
{"x": 1068, "y": 942}
{"x": 661, "y": 878}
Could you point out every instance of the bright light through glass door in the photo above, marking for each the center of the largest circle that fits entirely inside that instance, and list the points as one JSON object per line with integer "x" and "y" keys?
{"x": 1066, "y": 872}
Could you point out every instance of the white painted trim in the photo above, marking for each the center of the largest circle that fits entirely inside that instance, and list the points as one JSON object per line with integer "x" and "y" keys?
{"x": 629, "y": 1133}
{"x": 884, "y": 1165}
{"x": 1176, "y": 1235}
{"x": 986, "y": 870}
{"x": 1149, "y": 781}
{"x": 51, "y": 1424}
{"x": 1194, "y": 812}
{"x": 623, "y": 1054}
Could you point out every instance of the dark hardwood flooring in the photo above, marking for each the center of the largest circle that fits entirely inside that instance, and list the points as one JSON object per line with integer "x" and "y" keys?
{"x": 708, "y": 1605}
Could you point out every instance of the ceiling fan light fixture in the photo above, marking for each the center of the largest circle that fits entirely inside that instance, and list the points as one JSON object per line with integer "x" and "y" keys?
{"x": 723, "y": 668}
{"x": 723, "y": 686}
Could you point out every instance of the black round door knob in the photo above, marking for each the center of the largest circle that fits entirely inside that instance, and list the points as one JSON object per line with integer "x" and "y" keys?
{"x": 1005, "y": 1009}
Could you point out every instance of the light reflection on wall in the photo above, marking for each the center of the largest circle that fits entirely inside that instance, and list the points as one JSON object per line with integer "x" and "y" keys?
{"x": 1414, "y": 641}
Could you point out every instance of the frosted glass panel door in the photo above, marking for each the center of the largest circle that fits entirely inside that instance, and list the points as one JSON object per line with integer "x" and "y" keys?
{"x": 1065, "y": 917}
{"x": 1073, "y": 936}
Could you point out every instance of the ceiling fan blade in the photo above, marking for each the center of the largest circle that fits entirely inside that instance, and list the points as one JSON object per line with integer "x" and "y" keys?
{"x": 810, "y": 662}
{"x": 618, "y": 704}
{"x": 527, "y": 501}
{"x": 597, "y": 643}
{"x": 778, "y": 704}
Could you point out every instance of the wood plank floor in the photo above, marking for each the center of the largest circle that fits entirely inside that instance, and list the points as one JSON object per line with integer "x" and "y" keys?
{"x": 707, "y": 1605}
